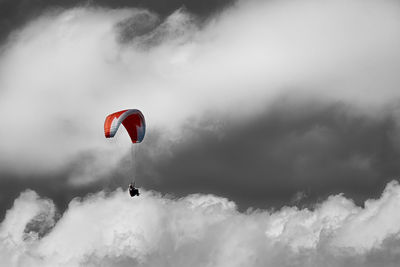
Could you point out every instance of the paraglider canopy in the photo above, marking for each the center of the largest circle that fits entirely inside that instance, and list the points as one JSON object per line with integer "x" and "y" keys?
{"x": 133, "y": 121}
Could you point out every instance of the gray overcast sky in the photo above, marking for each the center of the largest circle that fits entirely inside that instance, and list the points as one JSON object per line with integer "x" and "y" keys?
{"x": 316, "y": 134}
{"x": 249, "y": 105}
{"x": 14, "y": 14}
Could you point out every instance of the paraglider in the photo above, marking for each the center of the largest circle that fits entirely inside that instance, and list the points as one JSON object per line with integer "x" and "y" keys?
{"x": 135, "y": 125}
{"x": 133, "y": 191}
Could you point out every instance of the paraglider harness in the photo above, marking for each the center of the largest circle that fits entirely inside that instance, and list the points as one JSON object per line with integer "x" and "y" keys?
{"x": 133, "y": 191}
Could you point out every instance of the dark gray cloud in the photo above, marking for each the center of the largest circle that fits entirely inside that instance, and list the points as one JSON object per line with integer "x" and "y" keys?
{"x": 311, "y": 148}
{"x": 15, "y": 13}
{"x": 294, "y": 153}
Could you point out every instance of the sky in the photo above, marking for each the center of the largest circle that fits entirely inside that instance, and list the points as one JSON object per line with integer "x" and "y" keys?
{"x": 272, "y": 133}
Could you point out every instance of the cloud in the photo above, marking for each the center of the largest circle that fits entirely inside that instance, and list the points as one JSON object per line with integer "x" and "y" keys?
{"x": 200, "y": 230}
{"x": 296, "y": 154}
{"x": 63, "y": 72}
{"x": 310, "y": 147}
{"x": 66, "y": 83}
{"x": 263, "y": 103}
{"x": 17, "y": 13}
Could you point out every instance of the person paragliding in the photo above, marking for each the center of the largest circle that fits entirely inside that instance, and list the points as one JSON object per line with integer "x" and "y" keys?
{"x": 133, "y": 191}
{"x": 135, "y": 125}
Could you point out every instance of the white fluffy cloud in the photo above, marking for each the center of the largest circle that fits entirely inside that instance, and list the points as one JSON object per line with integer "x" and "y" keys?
{"x": 200, "y": 230}
{"x": 65, "y": 71}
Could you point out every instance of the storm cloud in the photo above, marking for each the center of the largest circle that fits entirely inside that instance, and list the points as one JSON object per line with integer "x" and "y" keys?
{"x": 311, "y": 148}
